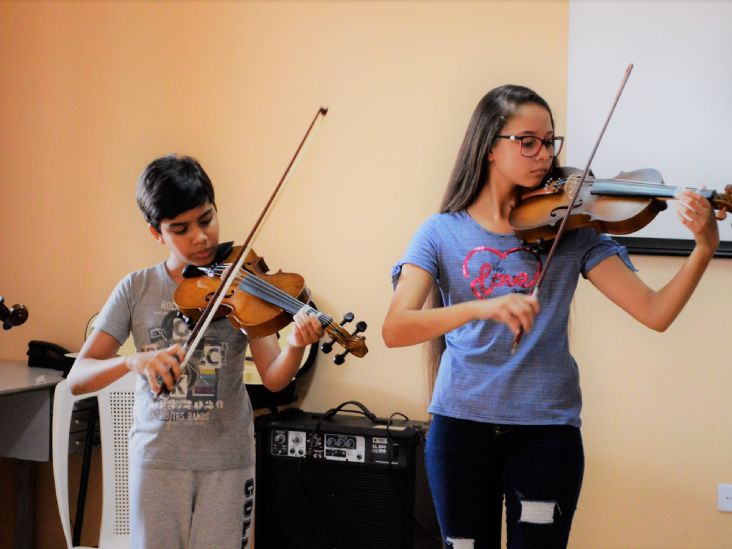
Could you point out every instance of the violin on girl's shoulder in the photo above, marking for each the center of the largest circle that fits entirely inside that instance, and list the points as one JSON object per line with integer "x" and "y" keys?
{"x": 620, "y": 205}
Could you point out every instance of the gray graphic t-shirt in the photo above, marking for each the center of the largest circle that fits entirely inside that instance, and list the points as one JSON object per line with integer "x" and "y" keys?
{"x": 206, "y": 423}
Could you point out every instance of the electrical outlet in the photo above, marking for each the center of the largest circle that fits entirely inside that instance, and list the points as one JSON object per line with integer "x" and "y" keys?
{"x": 724, "y": 497}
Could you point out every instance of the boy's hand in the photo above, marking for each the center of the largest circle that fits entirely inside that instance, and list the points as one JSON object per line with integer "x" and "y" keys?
{"x": 306, "y": 330}
{"x": 162, "y": 365}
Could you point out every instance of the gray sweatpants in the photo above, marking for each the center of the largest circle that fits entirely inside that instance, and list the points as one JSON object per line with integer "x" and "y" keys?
{"x": 171, "y": 509}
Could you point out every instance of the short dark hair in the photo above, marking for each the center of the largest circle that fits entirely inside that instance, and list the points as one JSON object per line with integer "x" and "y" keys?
{"x": 171, "y": 185}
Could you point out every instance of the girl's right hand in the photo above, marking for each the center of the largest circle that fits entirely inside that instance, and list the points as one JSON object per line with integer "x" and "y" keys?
{"x": 517, "y": 311}
{"x": 163, "y": 364}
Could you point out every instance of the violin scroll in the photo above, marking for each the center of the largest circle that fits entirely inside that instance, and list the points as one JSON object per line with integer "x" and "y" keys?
{"x": 351, "y": 342}
{"x": 15, "y": 316}
{"x": 722, "y": 202}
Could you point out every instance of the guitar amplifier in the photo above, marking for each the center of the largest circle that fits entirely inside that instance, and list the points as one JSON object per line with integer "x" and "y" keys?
{"x": 342, "y": 482}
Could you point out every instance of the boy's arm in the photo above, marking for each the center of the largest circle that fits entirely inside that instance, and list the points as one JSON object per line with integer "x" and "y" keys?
{"x": 97, "y": 365}
{"x": 278, "y": 366}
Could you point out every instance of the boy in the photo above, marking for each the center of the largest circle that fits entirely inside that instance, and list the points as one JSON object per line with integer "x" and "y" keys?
{"x": 192, "y": 453}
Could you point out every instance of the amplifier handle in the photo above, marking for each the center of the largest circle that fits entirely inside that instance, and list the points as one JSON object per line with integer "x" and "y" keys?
{"x": 363, "y": 410}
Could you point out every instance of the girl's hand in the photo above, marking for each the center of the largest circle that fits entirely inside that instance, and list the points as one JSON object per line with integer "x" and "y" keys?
{"x": 306, "y": 329}
{"x": 697, "y": 215}
{"x": 517, "y": 311}
{"x": 162, "y": 365}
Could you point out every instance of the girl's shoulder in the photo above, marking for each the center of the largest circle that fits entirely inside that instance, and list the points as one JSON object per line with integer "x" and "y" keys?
{"x": 452, "y": 220}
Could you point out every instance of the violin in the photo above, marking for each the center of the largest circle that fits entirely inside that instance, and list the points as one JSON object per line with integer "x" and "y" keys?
{"x": 620, "y": 205}
{"x": 258, "y": 303}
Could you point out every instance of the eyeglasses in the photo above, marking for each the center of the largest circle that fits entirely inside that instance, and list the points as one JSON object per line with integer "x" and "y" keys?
{"x": 531, "y": 145}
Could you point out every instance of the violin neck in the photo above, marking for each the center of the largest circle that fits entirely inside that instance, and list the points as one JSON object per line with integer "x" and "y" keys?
{"x": 265, "y": 291}
{"x": 640, "y": 189}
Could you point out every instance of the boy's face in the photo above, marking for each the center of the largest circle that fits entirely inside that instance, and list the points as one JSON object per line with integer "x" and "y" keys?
{"x": 191, "y": 236}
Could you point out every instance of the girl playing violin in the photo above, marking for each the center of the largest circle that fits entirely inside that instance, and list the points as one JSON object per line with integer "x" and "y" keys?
{"x": 192, "y": 454}
{"x": 507, "y": 425}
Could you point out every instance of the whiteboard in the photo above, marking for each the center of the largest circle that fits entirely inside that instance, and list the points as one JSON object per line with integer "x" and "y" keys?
{"x": 675, "y": 114}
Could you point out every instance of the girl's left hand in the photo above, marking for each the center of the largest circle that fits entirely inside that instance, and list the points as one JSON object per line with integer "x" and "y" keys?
{"x": 306, "y": 329}
{"x": 696, "y": 214}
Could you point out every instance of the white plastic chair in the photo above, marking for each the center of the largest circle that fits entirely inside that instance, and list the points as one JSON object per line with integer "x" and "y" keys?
{"x": 116, "y": 402}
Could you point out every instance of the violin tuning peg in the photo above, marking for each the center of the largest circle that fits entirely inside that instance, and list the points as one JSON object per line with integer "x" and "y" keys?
{"x": 348, "y": 317}
{"x": 360, "y": 327}
{"x": 327, "y": 347}
{"x": 340, "y": 358}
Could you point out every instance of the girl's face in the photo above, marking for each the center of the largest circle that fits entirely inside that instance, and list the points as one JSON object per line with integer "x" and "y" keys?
{"x": 508, "y": 166}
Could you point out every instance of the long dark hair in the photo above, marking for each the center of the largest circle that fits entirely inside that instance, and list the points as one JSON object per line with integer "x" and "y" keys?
{"x": 471, "y": 172}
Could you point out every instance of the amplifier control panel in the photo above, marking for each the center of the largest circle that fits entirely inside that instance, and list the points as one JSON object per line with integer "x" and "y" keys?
{"x": 333, "y": 446}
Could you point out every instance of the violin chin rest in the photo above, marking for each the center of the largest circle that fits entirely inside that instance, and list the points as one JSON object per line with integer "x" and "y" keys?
{"x": 191, "y": 271}
{"x": 223, "y": 251}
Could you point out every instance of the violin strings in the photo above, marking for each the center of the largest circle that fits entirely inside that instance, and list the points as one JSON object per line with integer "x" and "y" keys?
{"x": 272, "y": 294}
{"x": 260, "y": 288}
{"x": 634, "y": 183}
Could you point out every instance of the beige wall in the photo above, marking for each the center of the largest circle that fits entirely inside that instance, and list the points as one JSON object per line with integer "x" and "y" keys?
{"x": 91, "y": 92}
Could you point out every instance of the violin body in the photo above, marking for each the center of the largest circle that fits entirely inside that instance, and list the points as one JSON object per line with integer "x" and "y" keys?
{"x": 621, "y": 205}
{"x": 258, "y": 318}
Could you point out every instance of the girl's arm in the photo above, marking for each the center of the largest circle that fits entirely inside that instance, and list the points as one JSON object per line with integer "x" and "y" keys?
{"x": 407, "y": 323}
{"x": 658, "y": 309}
{"x": 278, "y": 366}
{"x": 97, "y": 365}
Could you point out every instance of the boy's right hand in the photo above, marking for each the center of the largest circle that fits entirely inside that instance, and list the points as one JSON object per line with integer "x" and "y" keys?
{"x": 162, "y": 365}
{"x": 517, "y": 311}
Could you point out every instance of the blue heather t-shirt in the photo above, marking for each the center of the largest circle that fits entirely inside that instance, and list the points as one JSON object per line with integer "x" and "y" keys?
{"x": 479, "y": 379}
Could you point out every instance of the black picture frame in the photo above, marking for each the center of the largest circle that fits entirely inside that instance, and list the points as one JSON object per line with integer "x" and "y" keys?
{"x": 668, "y": 246}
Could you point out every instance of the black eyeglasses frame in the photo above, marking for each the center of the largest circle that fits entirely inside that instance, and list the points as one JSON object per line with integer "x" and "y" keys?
{"x": 550, "y": 141}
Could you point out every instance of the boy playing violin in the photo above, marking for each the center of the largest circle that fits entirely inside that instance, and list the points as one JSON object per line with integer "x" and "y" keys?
{"x": 191, "y": 453}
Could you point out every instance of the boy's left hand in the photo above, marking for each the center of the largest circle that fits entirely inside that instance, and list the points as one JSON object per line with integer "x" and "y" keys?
{"x": 697, "y": 214}
{"x": 306, "y": 329}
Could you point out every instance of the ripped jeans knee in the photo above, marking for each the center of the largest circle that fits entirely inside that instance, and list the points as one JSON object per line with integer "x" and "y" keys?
{"x": 537, "y": 512}
{"x": 459, "y": 543}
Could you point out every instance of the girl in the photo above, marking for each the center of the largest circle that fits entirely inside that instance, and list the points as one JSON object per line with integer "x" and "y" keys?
{"x": 507, "y": 425}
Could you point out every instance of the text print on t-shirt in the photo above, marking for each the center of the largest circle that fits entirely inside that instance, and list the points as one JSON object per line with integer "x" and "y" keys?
{"x": 488, "y": 269}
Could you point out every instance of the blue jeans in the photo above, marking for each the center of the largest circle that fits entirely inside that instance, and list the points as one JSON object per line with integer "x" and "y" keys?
{"x": 471, "y": 466}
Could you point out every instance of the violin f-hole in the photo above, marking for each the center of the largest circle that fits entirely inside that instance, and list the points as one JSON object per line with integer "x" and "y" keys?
{"x": 210, "y": 295}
